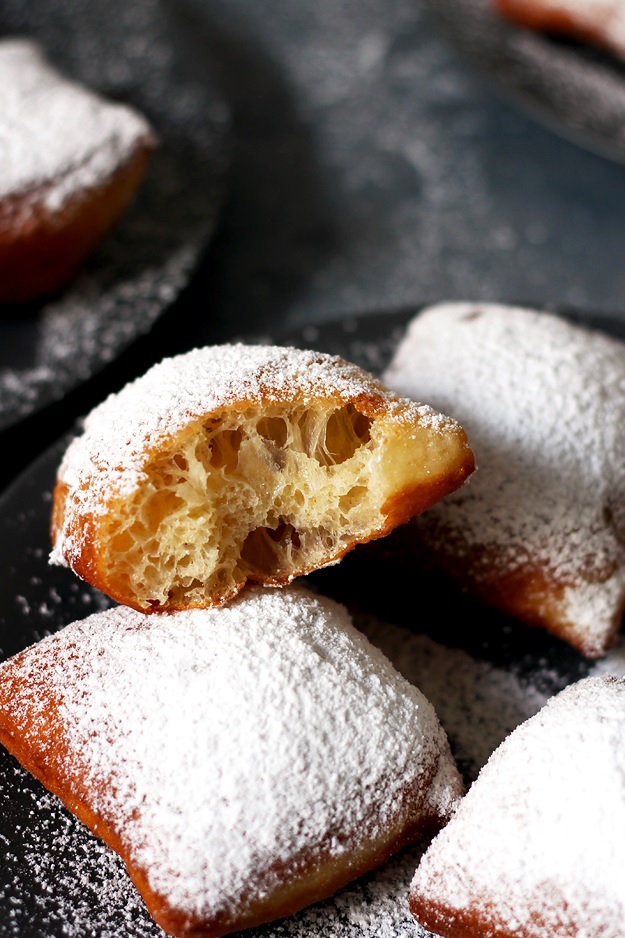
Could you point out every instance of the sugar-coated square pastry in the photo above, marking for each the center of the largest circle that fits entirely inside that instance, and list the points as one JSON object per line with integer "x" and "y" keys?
{"x": 240, "y": 462}
{"x": 244, "y": 761}
{"x": 70, "y": 161}
{"x": 597, "y": 21}
{"x": 536, "y": 848}
{"x": 539, "y": 531}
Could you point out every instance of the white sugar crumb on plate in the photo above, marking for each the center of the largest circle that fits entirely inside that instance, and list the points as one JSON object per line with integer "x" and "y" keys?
{"x": 57, "y": 138}
{"x": 477, "y": 703}
{"x": 536, "y": 846}
{"x": 294, "y": 742}
{"x": 543, "y": 404}
{"x": 84, "y": 891}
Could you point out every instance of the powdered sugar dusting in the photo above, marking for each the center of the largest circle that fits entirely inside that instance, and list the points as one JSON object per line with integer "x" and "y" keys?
{"x": 57, "y": 138}
{"x": 211, "y": 788}
{"x": 77, "y": 876}
{"x": 477, "y": 703}
{"x": 613, "y": 663}
{"x": 537, "y": 842}
{"x": 543, "y": 403}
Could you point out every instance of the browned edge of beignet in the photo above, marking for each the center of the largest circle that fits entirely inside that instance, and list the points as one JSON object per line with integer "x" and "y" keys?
{"x": 531, "y": 594}
{"x": 482, "y": 921}
{"x": 42, "y": 249}
{"x": 317, "y": 883}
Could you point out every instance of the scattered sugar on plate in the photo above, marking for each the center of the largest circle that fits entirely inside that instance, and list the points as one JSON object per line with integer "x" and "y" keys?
{"x": 477, "y": 703}
{"x": 126, "y": 53}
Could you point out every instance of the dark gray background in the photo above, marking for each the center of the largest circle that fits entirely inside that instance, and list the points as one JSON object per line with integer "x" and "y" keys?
{"x": 375, "y": 166}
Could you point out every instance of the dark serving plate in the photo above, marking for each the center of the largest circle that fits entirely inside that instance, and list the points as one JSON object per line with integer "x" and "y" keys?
{"x": 574, "y": 88}
{"x": 57, "y": 880}
{"x": 145, "y": 53}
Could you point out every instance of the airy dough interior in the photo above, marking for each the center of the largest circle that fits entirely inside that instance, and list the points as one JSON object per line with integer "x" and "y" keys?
{"x": 260, "y": 494}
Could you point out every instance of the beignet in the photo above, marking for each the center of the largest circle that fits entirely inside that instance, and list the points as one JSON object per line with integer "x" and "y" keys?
{"x": 536, "y": 847}
{"x": 601, "y": 22}
{"x": 244, "y": 761}
{"x": 233, "y": 463}
{"x": 539, "y": 533}
{"x": 70, "y": 161}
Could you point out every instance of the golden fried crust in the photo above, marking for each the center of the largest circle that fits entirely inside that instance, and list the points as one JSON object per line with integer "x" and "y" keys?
{"x": 398, "y": 509}
{"x": 540, "y": 532}
{"x": 42, "y": 250}
{"x": 531, "y": 593}
{"x": 466, "y": 923}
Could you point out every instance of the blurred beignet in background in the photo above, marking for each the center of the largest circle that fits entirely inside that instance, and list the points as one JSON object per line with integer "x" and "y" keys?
{"x": 244, "y": 761}
{"x": 70, "y": 162}
{"x": 234, "y": 463}
{"x": 539, "y": 532}
{"x": 535, "y": 848}
{"x": 601, "y": 22}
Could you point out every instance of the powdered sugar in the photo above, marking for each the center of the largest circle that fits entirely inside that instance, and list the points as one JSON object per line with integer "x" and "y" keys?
{"x": 536, "y": 845}
{"x": 223, "y": 744}
{"x": 478, "y": 704}
{"x": 84, "y": 891}
{"x": 543, "y": 404}
{"x": 57, "y": 138}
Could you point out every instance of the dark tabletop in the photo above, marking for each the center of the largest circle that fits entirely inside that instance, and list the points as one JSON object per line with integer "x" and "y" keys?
{"x": 373, "y": 166}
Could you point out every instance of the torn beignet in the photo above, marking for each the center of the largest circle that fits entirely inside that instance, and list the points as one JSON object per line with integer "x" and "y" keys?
{"x": 235, "y": 463}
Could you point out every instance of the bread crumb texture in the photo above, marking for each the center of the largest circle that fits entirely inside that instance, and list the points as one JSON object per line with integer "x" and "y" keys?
{"x": 242, "y": 462}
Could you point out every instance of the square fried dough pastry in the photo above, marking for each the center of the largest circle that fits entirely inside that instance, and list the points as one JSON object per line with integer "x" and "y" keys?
{"x": 70, "y": 161}
{"x": 244, "y": 761}
{"x": 601, "y": 21}
{"x": 539, "y": 532}
{"x": 241, "y": 462}
{"x": 536, "y": 847}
